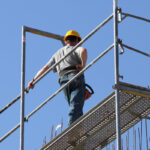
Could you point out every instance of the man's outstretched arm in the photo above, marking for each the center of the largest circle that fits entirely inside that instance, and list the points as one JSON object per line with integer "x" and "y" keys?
{"x": 40, "y": 72}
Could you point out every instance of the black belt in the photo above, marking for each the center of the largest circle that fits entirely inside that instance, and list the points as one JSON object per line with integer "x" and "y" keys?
{"x": 72, "y": 68}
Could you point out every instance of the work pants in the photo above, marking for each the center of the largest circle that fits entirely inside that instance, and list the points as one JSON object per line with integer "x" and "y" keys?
{"x": 74, "y": 94}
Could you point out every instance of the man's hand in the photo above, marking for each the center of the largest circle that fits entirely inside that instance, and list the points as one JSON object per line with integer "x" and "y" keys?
{"x": 30, "y": 84}
{"x": 79, "y": 67}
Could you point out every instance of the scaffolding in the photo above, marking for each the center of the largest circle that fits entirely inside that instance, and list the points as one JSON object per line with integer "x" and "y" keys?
{"x": 118, "y": 112}
{"x": 96, "y": 128}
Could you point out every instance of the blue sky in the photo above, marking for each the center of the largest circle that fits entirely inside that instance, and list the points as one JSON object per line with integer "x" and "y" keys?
{"x": 58, "y": 17}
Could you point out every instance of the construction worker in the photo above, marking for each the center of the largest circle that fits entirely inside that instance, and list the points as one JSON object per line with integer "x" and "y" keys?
{"x": 67, "y": 69}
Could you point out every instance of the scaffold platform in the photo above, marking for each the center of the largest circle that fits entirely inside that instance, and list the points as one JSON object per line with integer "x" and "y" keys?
{"x": 97, "y": 128}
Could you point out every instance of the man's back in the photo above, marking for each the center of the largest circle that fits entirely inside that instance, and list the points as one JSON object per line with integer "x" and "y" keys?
{"x": 71, "y": 60}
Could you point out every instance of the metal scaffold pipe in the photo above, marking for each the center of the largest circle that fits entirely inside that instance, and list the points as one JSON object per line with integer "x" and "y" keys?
{"x": 81, "y": 42}
{"x": 137, "y": 17}
{"x": 11, "y": 103}
{"x": 47, "y": 100}
{"x": 10, "y": 132}
{"x": 116, "y": 64}
{"x": 136, "y": 50}
{"x": 22, "y": 90}
{"x": 43, "y": 33}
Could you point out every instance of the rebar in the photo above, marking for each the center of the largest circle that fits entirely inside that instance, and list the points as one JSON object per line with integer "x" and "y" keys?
{"x": 139, "y": 139}
{"x": 121, "y": 144}
{"x": 127, "y": 141}
{"x": 52, "y": 130}
{"x": 146, "y": 133}
{"x": 141, "y": 131}
{"x": 135, "y": 139}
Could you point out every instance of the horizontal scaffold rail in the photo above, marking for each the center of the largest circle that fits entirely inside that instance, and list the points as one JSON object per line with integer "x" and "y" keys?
{"x": 97, "y": 128}
{"x": 51, "y": 68}
{"x": 121, "y": 45}
{"x": 44, "y": 33}
{"x": 136, "y": 17}
{"x": 136, "y": 50}
{"x": 58, "y": 91}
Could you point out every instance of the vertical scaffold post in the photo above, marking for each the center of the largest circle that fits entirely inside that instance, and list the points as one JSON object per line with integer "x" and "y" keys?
{"x": 116, "y": 64}
{"x": 22, "y": 90}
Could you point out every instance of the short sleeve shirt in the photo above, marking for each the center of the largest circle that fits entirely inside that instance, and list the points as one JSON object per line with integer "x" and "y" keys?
{"x": 72, "y": 59}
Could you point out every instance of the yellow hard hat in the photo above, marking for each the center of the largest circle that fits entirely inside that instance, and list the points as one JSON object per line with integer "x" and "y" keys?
{"x": 72, "y": 33}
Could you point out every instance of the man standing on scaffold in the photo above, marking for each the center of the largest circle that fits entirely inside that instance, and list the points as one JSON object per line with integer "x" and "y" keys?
{"x": 67, "y": 69}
